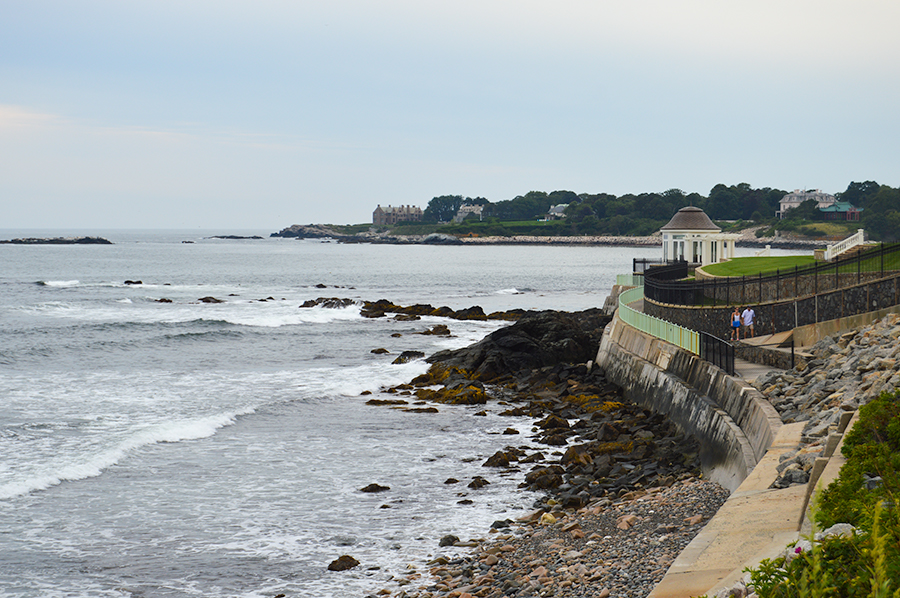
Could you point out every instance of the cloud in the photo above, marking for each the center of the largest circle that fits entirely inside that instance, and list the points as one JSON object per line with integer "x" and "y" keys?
{"x": 16, "y": 117}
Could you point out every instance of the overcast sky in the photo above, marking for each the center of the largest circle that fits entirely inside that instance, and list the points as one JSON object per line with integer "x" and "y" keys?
{"x": 266, "y": 113}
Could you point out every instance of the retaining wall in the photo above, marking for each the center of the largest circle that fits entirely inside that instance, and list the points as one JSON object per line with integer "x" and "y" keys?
{"x": 779, "y": 316}
{"x": 733, "y": 422}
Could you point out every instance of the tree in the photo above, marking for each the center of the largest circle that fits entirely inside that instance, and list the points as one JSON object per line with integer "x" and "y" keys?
{"x": 808, "y": 210}
{"x": 443, "y": 208}
{"x": 724, "y": 203}
{"x": 859, "y": 194}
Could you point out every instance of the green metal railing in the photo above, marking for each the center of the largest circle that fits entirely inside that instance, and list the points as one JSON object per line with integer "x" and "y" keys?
{"x": 630, "y": 280}
{"x": 671, "y": 333}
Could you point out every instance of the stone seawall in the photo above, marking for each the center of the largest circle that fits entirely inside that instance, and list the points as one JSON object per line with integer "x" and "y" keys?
{"x": 733, "y": 422}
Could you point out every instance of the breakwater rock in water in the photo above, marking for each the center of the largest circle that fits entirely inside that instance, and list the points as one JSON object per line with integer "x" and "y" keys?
{"x": 847, "y": 371}
{"x": 60, "y": 241}
{"x": 619, "y": 492}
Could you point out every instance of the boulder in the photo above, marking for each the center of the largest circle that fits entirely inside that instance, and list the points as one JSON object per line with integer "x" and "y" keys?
{"x": 375, "y": 488}
{"x": 538, "y": 339}
{"x": 343, "y": 563}
{"x": 408, "y": 356}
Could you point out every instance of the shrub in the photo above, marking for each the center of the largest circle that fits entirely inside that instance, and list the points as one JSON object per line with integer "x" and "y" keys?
{"x": 866, "y": 564}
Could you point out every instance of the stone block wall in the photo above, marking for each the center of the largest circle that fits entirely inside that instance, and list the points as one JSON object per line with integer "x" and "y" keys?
{"x": 778, "y": 316}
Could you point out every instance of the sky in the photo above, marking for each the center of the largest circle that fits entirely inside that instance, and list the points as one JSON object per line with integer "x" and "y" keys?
{"x": 267, "y": 113}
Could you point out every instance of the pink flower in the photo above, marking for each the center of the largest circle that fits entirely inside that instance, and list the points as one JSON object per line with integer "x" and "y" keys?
{"x": 798, "y": 550}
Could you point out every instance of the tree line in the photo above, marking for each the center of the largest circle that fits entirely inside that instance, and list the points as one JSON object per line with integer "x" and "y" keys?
{"x": 645, "y": 213}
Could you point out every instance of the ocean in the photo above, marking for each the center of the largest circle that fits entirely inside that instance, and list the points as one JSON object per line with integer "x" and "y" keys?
{"x": 218, "y": 449}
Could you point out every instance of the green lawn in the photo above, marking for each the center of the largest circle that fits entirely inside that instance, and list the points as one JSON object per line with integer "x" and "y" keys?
{"x": 752, "y": 266}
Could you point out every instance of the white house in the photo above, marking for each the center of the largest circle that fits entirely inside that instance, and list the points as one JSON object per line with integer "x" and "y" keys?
{"x": 792, "y": 200}
{"x": 466, "y": 210}
{"x": 690, "y": 235}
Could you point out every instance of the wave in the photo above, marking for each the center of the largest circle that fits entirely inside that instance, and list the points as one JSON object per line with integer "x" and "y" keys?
{"x": 57, "y": 283}
{"x": 94, "y": 465}
{"x": 143, "y": 311}
{"x": 512, "y": 291}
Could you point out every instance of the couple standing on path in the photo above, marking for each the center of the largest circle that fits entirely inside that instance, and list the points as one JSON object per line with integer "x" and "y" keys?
{"x": 742, "y": 318}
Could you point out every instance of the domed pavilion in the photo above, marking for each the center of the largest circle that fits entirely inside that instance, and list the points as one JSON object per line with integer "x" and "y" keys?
{"x": 690, "y": 235}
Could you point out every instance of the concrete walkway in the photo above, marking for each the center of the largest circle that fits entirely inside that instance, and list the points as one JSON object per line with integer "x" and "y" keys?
{"x": 750, "y": 371}
{"x": 755, "y": 522}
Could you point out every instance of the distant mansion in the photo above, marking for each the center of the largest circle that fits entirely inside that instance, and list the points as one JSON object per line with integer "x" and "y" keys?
{"x": 825, "y": 202}
{"x": 793, "y": 200}
{"x": 393, "y": 215}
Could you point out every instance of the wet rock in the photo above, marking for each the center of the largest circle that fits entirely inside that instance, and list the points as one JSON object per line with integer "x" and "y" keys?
{"x": 477, "y": 482}
{"x": 448, "y": 540}
{"x": 408, "y": 356}
{"x": 133, "y": 282}
{"x": 498, "y": 459}
{"x": 343, "y": 563}
{"x": 375, "y": 488}
{"x": 536, "y": 340}
{"x": 379, "y": 351}
{"x": 437, "y": 330}
{"x": 210, "y": 300}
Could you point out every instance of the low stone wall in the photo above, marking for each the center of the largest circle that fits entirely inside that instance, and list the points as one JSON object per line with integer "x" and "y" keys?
{"x": 732, "y": 421}
{"x": 775, "y": 316}
{"x": 780, "y": 359}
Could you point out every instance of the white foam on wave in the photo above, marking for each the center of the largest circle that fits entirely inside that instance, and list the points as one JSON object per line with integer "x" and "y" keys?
{"x": 240, "y": 313}
{"x": 288, "y": 315}
{"x": 94, "y": 464}
{"x": 512, "y": 291}
{"x": 59, "y": 283}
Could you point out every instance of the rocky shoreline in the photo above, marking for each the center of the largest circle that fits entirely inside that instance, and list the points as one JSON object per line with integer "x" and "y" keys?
{"x": 621, "y": 491}
{"x": 847, "y": 370}
{"x": 313, "y": 231}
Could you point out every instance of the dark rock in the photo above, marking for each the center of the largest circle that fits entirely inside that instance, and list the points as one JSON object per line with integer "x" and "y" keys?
{"x": 478, "y": 482}
{"x": 501, "y": 524}
{"x": 407, "y": 317}
{"x": 510, "y": 431}
{"x": 210, "y": 300}
{"x": 375, "y": 488}
{"x": 438, "y": 330}
{"x": 321, "y": 286}
{"x": 498, "y": 459}
{"x": 328, "y": 302}
{"x": 451, "y": 481}
{"x": 386, "y": 402}
{"x": 164, "y": 300}
{"x": 134, "y": 282}
{"x": 379, "y": 351}
{"x": 537, "y": 340}
{"x": 448, "y": 540}
{"x": 343, "y": 563}
{"x": 408, "y": 356}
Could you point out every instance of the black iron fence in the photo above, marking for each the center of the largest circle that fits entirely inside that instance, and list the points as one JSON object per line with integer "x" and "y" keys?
{"x": 865, "y": 266}
{"x": 717, "y": 351}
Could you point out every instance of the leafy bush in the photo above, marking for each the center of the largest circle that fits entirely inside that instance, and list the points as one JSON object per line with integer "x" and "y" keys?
{"x": 863, "y": 495}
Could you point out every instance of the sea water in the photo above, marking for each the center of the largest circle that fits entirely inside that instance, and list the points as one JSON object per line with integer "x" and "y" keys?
{"x": 151, "y": 448}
